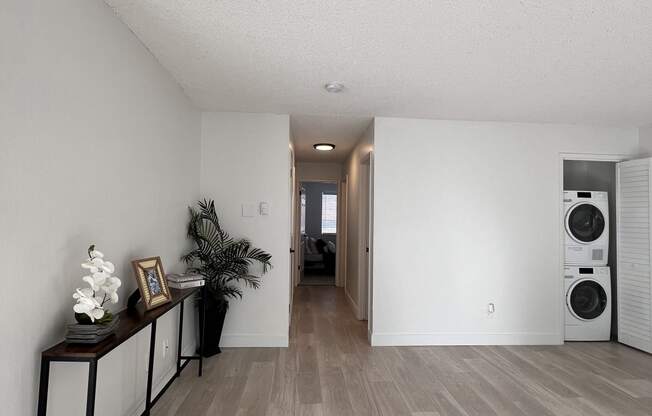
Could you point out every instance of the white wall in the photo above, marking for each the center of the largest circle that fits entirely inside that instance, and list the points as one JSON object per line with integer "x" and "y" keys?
{"x": 354, "y": 240}
{"x": 97, "y": 145}
{"x": 645, "y": 140}
{"x": 245, "y": 160}
{"x": 319, "y": 171}
{"x": 468, "y": 213}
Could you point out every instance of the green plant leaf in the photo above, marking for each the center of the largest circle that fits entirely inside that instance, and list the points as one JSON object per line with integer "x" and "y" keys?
{"x": 222, "y": 260}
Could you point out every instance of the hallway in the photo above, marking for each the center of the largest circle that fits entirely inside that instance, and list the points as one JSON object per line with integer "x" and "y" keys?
{"x": 330, "y": 369}
{"x": 315, "y": 375}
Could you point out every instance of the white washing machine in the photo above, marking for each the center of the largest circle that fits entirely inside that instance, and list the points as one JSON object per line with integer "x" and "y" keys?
{"x": 586, "y": 221}
{"x": 588, "y": 303}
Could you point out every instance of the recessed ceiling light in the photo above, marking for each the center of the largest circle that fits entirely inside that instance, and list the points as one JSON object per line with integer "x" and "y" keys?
{"x": 334, "y": 87}
{"x": 324, "y": 147}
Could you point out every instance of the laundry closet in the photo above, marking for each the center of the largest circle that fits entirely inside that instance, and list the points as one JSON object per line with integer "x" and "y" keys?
{"x": 607, "y": 251}
{"x": 590, "y": 256}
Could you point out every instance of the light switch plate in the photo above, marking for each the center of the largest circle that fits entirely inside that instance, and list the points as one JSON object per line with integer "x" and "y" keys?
{"x": 264, "y": 208}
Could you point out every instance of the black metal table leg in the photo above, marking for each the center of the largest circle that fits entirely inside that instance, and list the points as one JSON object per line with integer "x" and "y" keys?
{"x": 202, "y": 324}
{"x": 44, "y": 383}
{"x": 61, "y": 353}
{"x": 180, "y": 339}
{"x": 150, "y": 369}
{"x": 92, "y": 384}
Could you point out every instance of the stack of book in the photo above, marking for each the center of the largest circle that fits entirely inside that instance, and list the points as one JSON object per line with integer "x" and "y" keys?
{"x": 185, "y": 280}
{"x": 90, "y": 334}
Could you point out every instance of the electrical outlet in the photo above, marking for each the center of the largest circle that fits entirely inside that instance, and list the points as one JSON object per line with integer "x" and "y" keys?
{"x": 166, "y": 347}
{"x": 491, "y": 309}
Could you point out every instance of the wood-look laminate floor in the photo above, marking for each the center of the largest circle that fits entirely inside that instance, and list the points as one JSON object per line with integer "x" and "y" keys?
{"x": 330, "y": 369}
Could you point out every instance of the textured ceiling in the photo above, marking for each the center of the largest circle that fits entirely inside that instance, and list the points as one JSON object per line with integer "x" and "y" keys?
{"x": 518, "y": 60}
{"x": 342, "y": 131}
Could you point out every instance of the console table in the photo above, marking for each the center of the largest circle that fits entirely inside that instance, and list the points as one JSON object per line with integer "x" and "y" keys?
{"x": 131, "y": 321}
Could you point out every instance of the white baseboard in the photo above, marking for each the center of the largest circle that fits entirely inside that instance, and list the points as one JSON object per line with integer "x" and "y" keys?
{"x": 464, "y": 338}
{"x": 354, "y": 306}
{"x": 254, "y": 340}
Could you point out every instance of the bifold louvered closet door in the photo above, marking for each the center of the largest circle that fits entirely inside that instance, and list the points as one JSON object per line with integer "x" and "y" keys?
{"x": 633, "y": 250}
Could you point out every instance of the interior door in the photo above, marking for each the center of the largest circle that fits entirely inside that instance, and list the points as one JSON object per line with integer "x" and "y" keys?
{"x": 365, "y": 248}
{"x": 293, "y": 247}
{"x": 634, "y": 280}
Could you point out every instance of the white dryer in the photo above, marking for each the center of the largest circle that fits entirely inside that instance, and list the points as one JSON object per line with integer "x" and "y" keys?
{"x": 588, "y": 303}
{"x": 586, "y": 221}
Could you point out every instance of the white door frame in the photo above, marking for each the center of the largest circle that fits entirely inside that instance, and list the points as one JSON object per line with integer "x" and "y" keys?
{"x": 342, "y": 207}
{"x": 293, "y": 237}
{"x": 370, "y": 282}
{"x": 365, "y": 232}
{"x": 298, "y": 254}
{"x": 589, "y": 157}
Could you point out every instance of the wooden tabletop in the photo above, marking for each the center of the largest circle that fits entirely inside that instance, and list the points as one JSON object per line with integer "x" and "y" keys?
{"x": 131, "y": 321}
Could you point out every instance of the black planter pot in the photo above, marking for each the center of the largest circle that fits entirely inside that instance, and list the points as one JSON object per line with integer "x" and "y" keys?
{"x": 215, "y": 314}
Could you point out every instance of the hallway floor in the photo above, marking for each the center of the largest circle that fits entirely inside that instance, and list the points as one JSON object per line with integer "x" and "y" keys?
{"x": 330, "y": 369}
{"x": 317, "y": 280}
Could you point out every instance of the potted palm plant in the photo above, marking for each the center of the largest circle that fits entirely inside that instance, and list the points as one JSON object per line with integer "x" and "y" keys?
{"x": 225, "y": 263}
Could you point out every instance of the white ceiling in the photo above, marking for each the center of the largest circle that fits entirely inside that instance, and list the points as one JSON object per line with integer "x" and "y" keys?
{"x": 564, "y": 61}
{"x": 342, "y": 131}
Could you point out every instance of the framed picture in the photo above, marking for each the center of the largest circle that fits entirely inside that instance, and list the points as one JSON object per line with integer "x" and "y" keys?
{"x": 151, "y": 282}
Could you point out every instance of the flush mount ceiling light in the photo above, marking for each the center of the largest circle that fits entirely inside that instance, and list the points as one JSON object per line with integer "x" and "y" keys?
{"x": 334, "y": 87}
{"x": 324, "y": 147}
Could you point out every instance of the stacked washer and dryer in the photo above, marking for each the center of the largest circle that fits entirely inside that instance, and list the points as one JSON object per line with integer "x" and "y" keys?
{"x": 587, "y": 276}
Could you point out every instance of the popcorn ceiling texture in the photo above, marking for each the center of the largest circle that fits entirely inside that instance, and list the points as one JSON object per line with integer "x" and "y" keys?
{"x": 534, "y": 61}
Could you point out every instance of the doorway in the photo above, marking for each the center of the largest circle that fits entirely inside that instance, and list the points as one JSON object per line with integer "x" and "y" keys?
{"x": 589, "y": 207}
{"x": 318, "y": 232}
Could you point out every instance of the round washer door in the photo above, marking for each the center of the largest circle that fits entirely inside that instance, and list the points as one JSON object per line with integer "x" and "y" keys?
{"x": 585, "y": 222}
{"x": 586, "y": 299}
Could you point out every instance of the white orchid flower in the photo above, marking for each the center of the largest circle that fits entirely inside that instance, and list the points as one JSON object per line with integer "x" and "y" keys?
{"x": 97, "y": 313}
{"x": 100, "y": 277}
{"x": 97, "y": 262}
{"x": 81, "y": 293}
{"x": 110, "y": 287}
{"x": 97, "y": 280}
{"x": 83, "y": 307}
{"x": 98, "y": 265}
{"x": 89, "y": 301}
{"x": 108, "y": 267}
{"x": 111, "y": 284}
{"x": 86, "y": 296}
{"x": 90, "y": 266}
{"x": 91, "y": 282}
{"x": 88, "y": 304}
